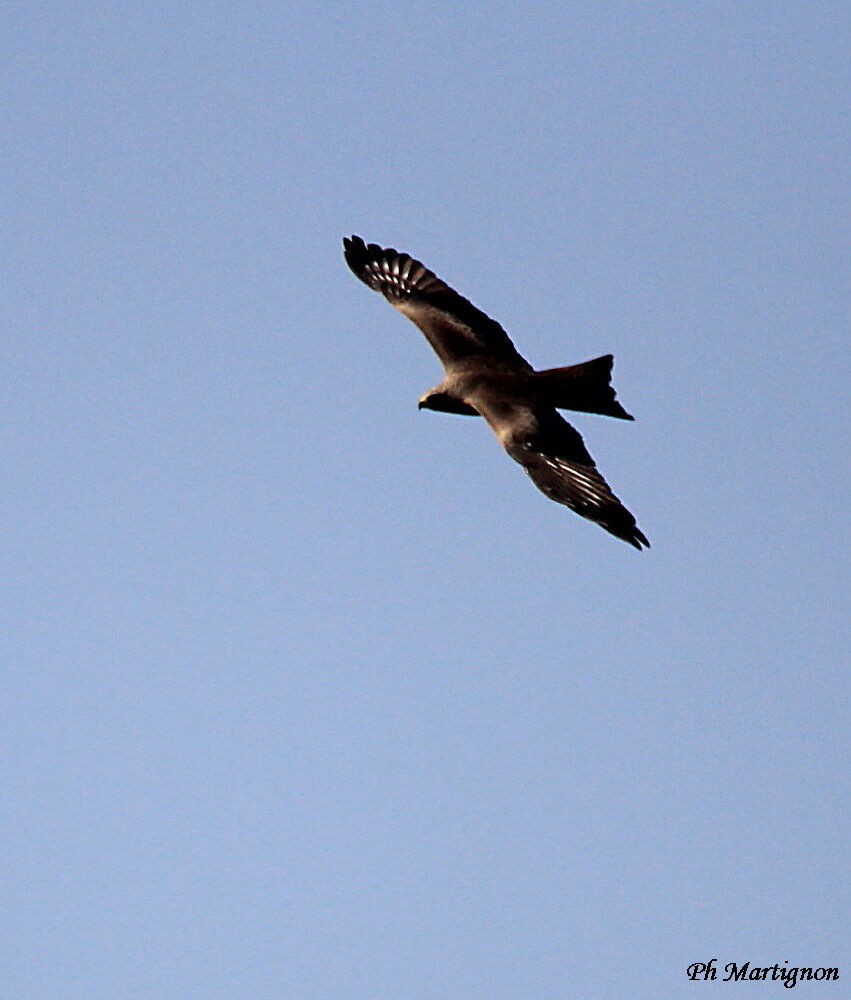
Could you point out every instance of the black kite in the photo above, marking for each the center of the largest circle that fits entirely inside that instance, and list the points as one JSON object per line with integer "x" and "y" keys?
{"x": 485, "y": 375}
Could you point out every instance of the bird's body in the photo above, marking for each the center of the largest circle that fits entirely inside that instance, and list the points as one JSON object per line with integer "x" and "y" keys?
{"x": 485, "y": 375}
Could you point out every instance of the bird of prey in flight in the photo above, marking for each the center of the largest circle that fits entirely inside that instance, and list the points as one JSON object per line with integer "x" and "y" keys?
{"x": 484, "y": 375}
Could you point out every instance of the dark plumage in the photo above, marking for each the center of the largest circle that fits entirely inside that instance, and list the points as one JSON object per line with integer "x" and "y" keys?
{"x": 485, "y": 375}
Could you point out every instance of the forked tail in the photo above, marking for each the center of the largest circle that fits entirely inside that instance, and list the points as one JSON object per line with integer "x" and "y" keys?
{"x": 585, "y": 387}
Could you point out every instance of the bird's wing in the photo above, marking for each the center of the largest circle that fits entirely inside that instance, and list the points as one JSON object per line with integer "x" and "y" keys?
{"x": 454, "y": 327}
{"x": 557, "y": 461}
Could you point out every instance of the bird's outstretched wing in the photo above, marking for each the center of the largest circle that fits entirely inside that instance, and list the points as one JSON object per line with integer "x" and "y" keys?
{"x": 557, "y": 461}
{"x": 454, "y": 327}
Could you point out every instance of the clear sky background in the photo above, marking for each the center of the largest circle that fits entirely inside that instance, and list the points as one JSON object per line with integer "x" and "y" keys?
{"x": 309, "y": 695}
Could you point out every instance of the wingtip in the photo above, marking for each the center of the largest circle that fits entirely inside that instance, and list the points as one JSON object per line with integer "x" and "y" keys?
{"x": 355, "y": 252}
{"x": 638, "y": 539}
{"x": 632, "y": 535}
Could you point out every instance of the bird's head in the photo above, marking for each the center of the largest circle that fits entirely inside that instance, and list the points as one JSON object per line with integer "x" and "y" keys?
{"x": 438, "y": 399}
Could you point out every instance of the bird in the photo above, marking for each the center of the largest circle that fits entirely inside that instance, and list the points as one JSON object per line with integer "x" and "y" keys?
{"x": 485, "y": 375}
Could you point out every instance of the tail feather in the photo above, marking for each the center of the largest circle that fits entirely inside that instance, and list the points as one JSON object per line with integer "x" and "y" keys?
{"x": 585, "y": 387}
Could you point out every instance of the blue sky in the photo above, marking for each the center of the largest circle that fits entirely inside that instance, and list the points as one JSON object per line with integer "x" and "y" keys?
{"x": 310, "y": 695}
